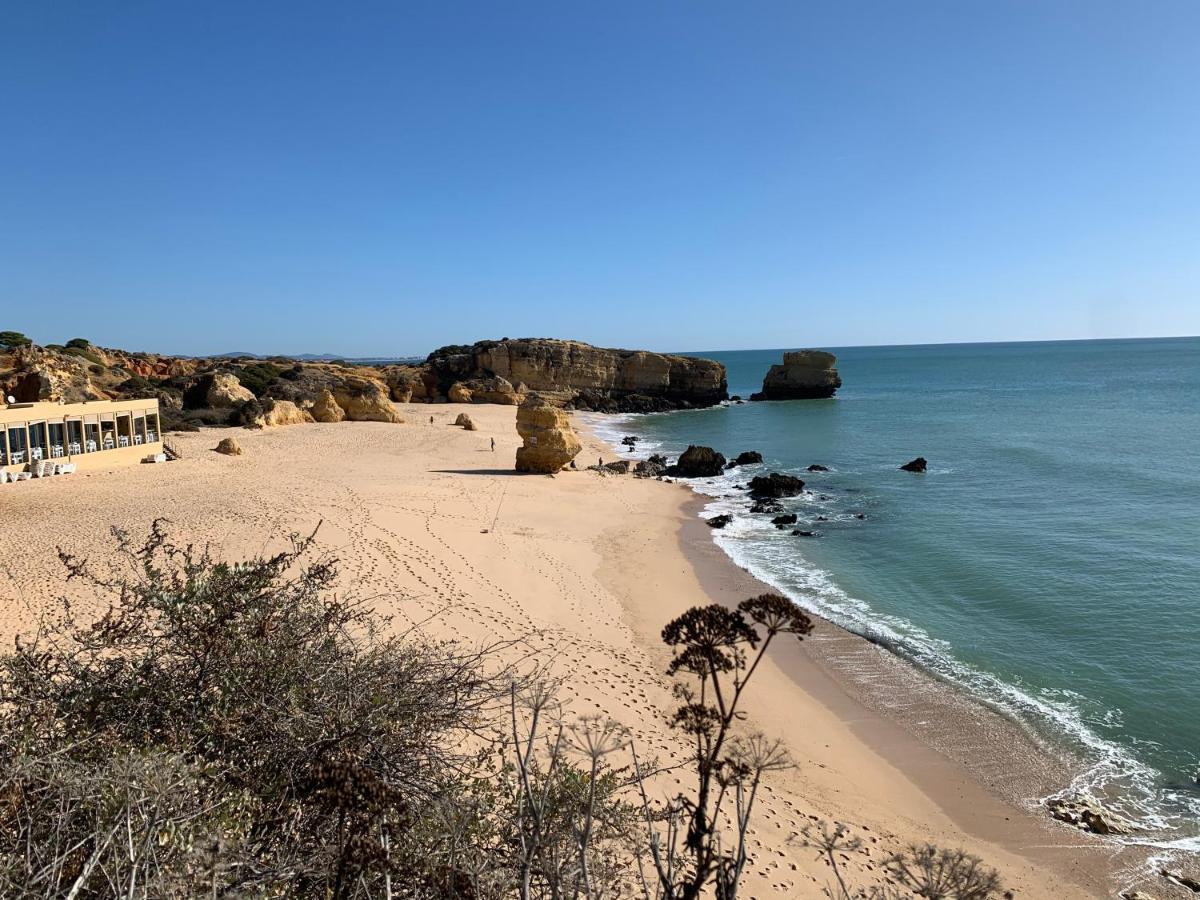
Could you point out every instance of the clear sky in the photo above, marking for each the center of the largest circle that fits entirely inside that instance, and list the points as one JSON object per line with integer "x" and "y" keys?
{"x": 382, "y": 178}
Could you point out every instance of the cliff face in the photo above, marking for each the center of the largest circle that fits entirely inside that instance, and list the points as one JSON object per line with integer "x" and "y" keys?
{"x": 804, "y": 375}
{"x": 587, "y": 377}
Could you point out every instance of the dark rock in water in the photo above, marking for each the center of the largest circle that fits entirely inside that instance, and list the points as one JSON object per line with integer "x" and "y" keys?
{"x": 817, "y": 467}
{"x": 630, "y": 440}
{"x": 804, "y": 375}
{"x": 719, "y": 521}
{"x": 800, "y": 533}
{"x": 745, "y": 458}
{"x": 822, "y": 518}
{"x": 736, "y": 398}
{"x": 765, "y": 506}
{"x": 789, "y": 519}
{"x": 860, "y": 515}
{"x": 917, "y": 465}
{"x": 775, "y": 485}
{"x": 698, "y": 462}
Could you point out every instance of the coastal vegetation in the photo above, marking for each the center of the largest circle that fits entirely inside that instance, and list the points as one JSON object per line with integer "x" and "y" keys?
{"x": 244, "y": 729}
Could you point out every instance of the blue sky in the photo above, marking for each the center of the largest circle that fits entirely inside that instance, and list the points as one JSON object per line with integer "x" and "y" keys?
{"x": 382, "y": 178}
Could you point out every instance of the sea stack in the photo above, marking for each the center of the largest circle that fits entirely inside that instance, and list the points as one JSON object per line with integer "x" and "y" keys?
{"x": 549, "y": 440}
{"x": 804, "y": 375}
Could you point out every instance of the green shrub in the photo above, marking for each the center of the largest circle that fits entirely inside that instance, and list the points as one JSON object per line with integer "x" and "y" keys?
{"x": 257, "y": 377}
{"x": 79, "y": 343}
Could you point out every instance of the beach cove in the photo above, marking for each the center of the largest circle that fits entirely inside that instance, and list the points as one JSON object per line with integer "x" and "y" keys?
{"x": 579, "y": 571}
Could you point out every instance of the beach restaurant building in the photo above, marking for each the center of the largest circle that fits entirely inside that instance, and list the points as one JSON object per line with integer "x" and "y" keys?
{"x": 91, "y": 435}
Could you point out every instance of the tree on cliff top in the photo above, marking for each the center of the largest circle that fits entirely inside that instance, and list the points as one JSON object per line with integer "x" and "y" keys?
{"x": 10, "y": 340}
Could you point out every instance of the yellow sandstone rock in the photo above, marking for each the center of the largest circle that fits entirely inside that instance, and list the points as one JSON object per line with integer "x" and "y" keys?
{"x": 549, "y": 440}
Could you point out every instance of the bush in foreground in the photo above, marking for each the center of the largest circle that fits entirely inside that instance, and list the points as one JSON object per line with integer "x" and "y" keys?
{"x": 241, "y": 730}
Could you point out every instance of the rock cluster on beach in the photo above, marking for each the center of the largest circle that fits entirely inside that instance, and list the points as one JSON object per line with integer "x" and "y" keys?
{"x": 803, "y": 375}
{"x": 549, "y": 440}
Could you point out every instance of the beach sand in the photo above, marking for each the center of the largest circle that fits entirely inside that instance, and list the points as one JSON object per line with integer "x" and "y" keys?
{"x": 583, "y": 570}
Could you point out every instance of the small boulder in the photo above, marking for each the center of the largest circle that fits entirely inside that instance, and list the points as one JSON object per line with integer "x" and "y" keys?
{"x": 780, "y": 521}
{"x": 719, "y": 521}
{"x": 917, "y": 465}
{"x": 817, "y": 467}
{"x": 798, "y": 533}
{"x": 464, "y": 421}
{"x": 620, "y": 467}
{"x": 775, "y": 485}
{"x": 698, "y": 462}
{"x": 229, "y": 446}
{"x": 745, "y": 458}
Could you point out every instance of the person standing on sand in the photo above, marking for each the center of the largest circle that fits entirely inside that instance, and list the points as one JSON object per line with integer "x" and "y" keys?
{"x": 431, "y": 420}
{"x": 493, "y": 445}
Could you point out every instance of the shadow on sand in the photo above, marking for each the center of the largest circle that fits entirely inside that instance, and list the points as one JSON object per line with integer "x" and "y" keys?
{"x": 479, "y": 472}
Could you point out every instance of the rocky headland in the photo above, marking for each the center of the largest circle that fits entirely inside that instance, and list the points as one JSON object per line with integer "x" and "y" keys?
{"x": 803, "y": 375}
{"x": 256, "y": 392}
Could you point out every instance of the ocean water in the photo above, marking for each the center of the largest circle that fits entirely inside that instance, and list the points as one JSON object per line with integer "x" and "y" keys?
{"x": 1049, "y": 560}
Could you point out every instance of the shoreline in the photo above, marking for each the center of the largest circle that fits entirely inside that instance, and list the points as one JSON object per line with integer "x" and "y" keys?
{"x": 581, "y": 572}
{"x": 988, "y": 771}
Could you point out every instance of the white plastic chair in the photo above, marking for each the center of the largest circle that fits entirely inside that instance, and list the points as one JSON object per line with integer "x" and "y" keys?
{"x": 75, "y": 447}
{"x": 56, "y": 450}
{"x": 123, "y": 441}
{"x": 35, "y": 453}
{"x": 18, "y": 457}
{"x": 151, "y": 436}
{"x": 91, "y": 446}
{"x": 137, "y": 438}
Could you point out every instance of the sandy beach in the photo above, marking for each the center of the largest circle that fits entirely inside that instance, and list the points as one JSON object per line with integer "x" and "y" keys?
{"x": 581, "y": 570}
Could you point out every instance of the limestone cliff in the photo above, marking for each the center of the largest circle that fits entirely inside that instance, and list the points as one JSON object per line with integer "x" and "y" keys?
{"x": 804, "y": 375}
{"x": 570, "y": 372}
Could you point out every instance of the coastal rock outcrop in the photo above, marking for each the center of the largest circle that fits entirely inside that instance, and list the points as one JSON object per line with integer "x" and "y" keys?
{"x": 38, "y": 374}
{"x": 719, "y": 521}
{"x": 458, "y": 393}
{"x": 219, "y": 390}
{"x": 745, "y": 458}
{"x": 365, "y": 400}
{"x": 325, "y": 408}
{"x": 282, "y": 412}
{"x": 549, "y": 441}
{"x": 804, "y": 375}
{"x": 587, "y": 377}
{"x": 464, "y": 422}
{"x": 651, "y": 468}
{"x": 1087, "y": 814}
{"x": 775, "y": 485}
{"x": 229, "y": 447}
{"x": 780, "y": 521}
{"x": 698, "y": 462}
{"x": 917, "y": 465}
{"x": 817, "y": 467}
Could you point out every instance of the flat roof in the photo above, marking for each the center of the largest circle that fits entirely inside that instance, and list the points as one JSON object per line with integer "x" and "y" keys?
{"x": 48, "y": 409}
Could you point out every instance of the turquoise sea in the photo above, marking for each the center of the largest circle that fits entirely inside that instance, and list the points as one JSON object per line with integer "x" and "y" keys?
{"x": 1048, "y": 561}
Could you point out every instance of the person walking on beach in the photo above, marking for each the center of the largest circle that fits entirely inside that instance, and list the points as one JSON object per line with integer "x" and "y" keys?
{"x": 493, "y": 445}
{"x": 431, "y": 420}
